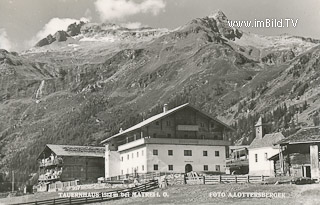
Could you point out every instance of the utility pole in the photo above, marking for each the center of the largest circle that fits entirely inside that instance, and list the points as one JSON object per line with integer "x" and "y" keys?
{"x": 12, "y": 181}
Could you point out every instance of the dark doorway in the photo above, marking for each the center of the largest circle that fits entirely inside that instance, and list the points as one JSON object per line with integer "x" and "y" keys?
{"x": 188, "y": 168}
{"x": 308, "y": 171}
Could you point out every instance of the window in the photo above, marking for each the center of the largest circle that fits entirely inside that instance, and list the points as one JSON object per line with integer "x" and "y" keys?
{"x": 157, "y": 123}
{"x": 155, "y": 167}
{"x": 127, "y": 157}
{"x": 205, "y": 153}
{"x": 202, "y": 137}
{"x": 187, "y": 152}
{"x": 266, "y": 156}
{"x": 170, "y": 167}
{"x": 201, "y": 124}
{"x": 137, "y": 154}
{"x": 212, "y": 125}
{"x": 142, "y": 167}
{"x": 154, "y": 135}
{"x": 155, "y": 152}
{"x": 216, "y": 153}
{"x": 170, "y": 152}
{"x": 205, "y": 168}
{"x": 218, "y": 168}
{"x": 168, "y": 123}
{"x": 256, "y": 157}
{"x": 169, "y": 135}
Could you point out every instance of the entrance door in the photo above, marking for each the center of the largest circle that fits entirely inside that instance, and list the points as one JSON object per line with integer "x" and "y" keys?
{"x": 308, "y": 171}
{"x": 188, "y": 168}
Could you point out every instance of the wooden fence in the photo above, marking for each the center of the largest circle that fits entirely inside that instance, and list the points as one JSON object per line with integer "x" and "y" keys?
{"x": 146, "y": 176}
{"x": 107, "y": 196}
{"x": 217, "y": 179}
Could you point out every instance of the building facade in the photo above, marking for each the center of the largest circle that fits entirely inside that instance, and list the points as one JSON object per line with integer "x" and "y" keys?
{"x": 261, "y": 149}
{"x": 299, "y": 156}
{"x": 67, "y": 163}
{"x": 179, "y": 140}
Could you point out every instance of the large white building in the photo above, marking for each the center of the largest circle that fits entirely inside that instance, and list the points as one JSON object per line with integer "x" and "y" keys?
{"x": 179, "y": 140}
{"x": 261, "y": 149}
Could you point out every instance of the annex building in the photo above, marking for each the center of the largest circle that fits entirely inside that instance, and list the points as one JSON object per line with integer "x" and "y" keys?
{"x": 178, "y": 140}
{"x": 67, "y": 162}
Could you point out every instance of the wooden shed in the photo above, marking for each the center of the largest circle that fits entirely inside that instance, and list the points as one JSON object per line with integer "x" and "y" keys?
{"x": 68, "y": 162}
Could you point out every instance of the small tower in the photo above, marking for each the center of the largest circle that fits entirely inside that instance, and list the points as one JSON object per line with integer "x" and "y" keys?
{"x": 259, "y": 129}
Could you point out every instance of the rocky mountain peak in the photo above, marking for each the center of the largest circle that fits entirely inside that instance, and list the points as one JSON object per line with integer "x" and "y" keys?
{"x": 218, "y": 15}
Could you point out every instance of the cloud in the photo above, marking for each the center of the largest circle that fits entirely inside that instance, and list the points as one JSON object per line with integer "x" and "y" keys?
{"x": 54, "y": 25}
{"x": 117, "y": 9}
{"x": 132, "y": 25}
{"x": 88, "y": 14}
{"x": 5, "y": 43}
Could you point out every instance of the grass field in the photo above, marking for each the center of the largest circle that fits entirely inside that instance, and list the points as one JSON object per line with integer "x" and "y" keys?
{"x": 43, "y": 196}
{"x": 205, "y": 194}
{"x": 200, "y": 194}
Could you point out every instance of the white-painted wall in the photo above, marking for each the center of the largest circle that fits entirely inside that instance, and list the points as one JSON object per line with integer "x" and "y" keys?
{"x": 179, "y": 161}
{"x": 137, "y": 160}
{"x": 263, "y": 166}
{"x": 143, "y": 161}
{"x": 111, "y": 163}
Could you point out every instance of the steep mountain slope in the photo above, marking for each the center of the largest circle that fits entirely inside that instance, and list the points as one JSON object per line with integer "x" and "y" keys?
{"x": 81, "y": 85}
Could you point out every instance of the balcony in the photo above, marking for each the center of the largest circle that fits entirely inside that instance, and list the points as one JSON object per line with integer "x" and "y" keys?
{"x": 50, "y": 176}
{"x": 48, "y": 162}
{"x": 188, "y": 128}
{"x": 173, "y": 142}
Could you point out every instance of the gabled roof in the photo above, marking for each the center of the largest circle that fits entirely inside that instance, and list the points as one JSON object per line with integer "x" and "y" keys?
{"x": 71, "y": 150}
{"x": 160, "y": 116}
{"x": 305, "y": 135}
{"x": 268, "y": 140}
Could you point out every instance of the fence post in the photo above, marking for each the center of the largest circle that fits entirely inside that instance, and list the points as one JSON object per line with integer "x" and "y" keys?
{"x": 220, "y": 179}
{"x": 145, "y": 187}
{"x": 236, "y": 179}
{"x": 54, "y": 200}
{"x": 70, "y": 200}
{"x": 262, "y": 178}
{"x": 248, "y": 179}
{"x": 204, "y": 179}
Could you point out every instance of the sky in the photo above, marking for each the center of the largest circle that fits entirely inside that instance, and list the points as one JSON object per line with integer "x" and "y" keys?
{"x": 24, "y": 22}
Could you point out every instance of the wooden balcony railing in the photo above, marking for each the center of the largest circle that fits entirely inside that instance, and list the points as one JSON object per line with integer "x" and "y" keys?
{"x": 56, "y": 161}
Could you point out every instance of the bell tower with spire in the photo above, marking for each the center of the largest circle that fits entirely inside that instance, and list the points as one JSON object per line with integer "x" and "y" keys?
{"x": 259, "y": 129}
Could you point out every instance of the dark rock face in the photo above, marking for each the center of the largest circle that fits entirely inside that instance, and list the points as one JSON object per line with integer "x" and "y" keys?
{"x": 61, "y": 36}
{"x": 42, "y": 42}
{"x": 45, "y": 41}
{"x": 278, "y": 57}
{"x": 74, "y": 29}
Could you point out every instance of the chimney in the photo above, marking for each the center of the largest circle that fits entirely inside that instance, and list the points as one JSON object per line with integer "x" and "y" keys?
{"x": 165, "y": 108}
